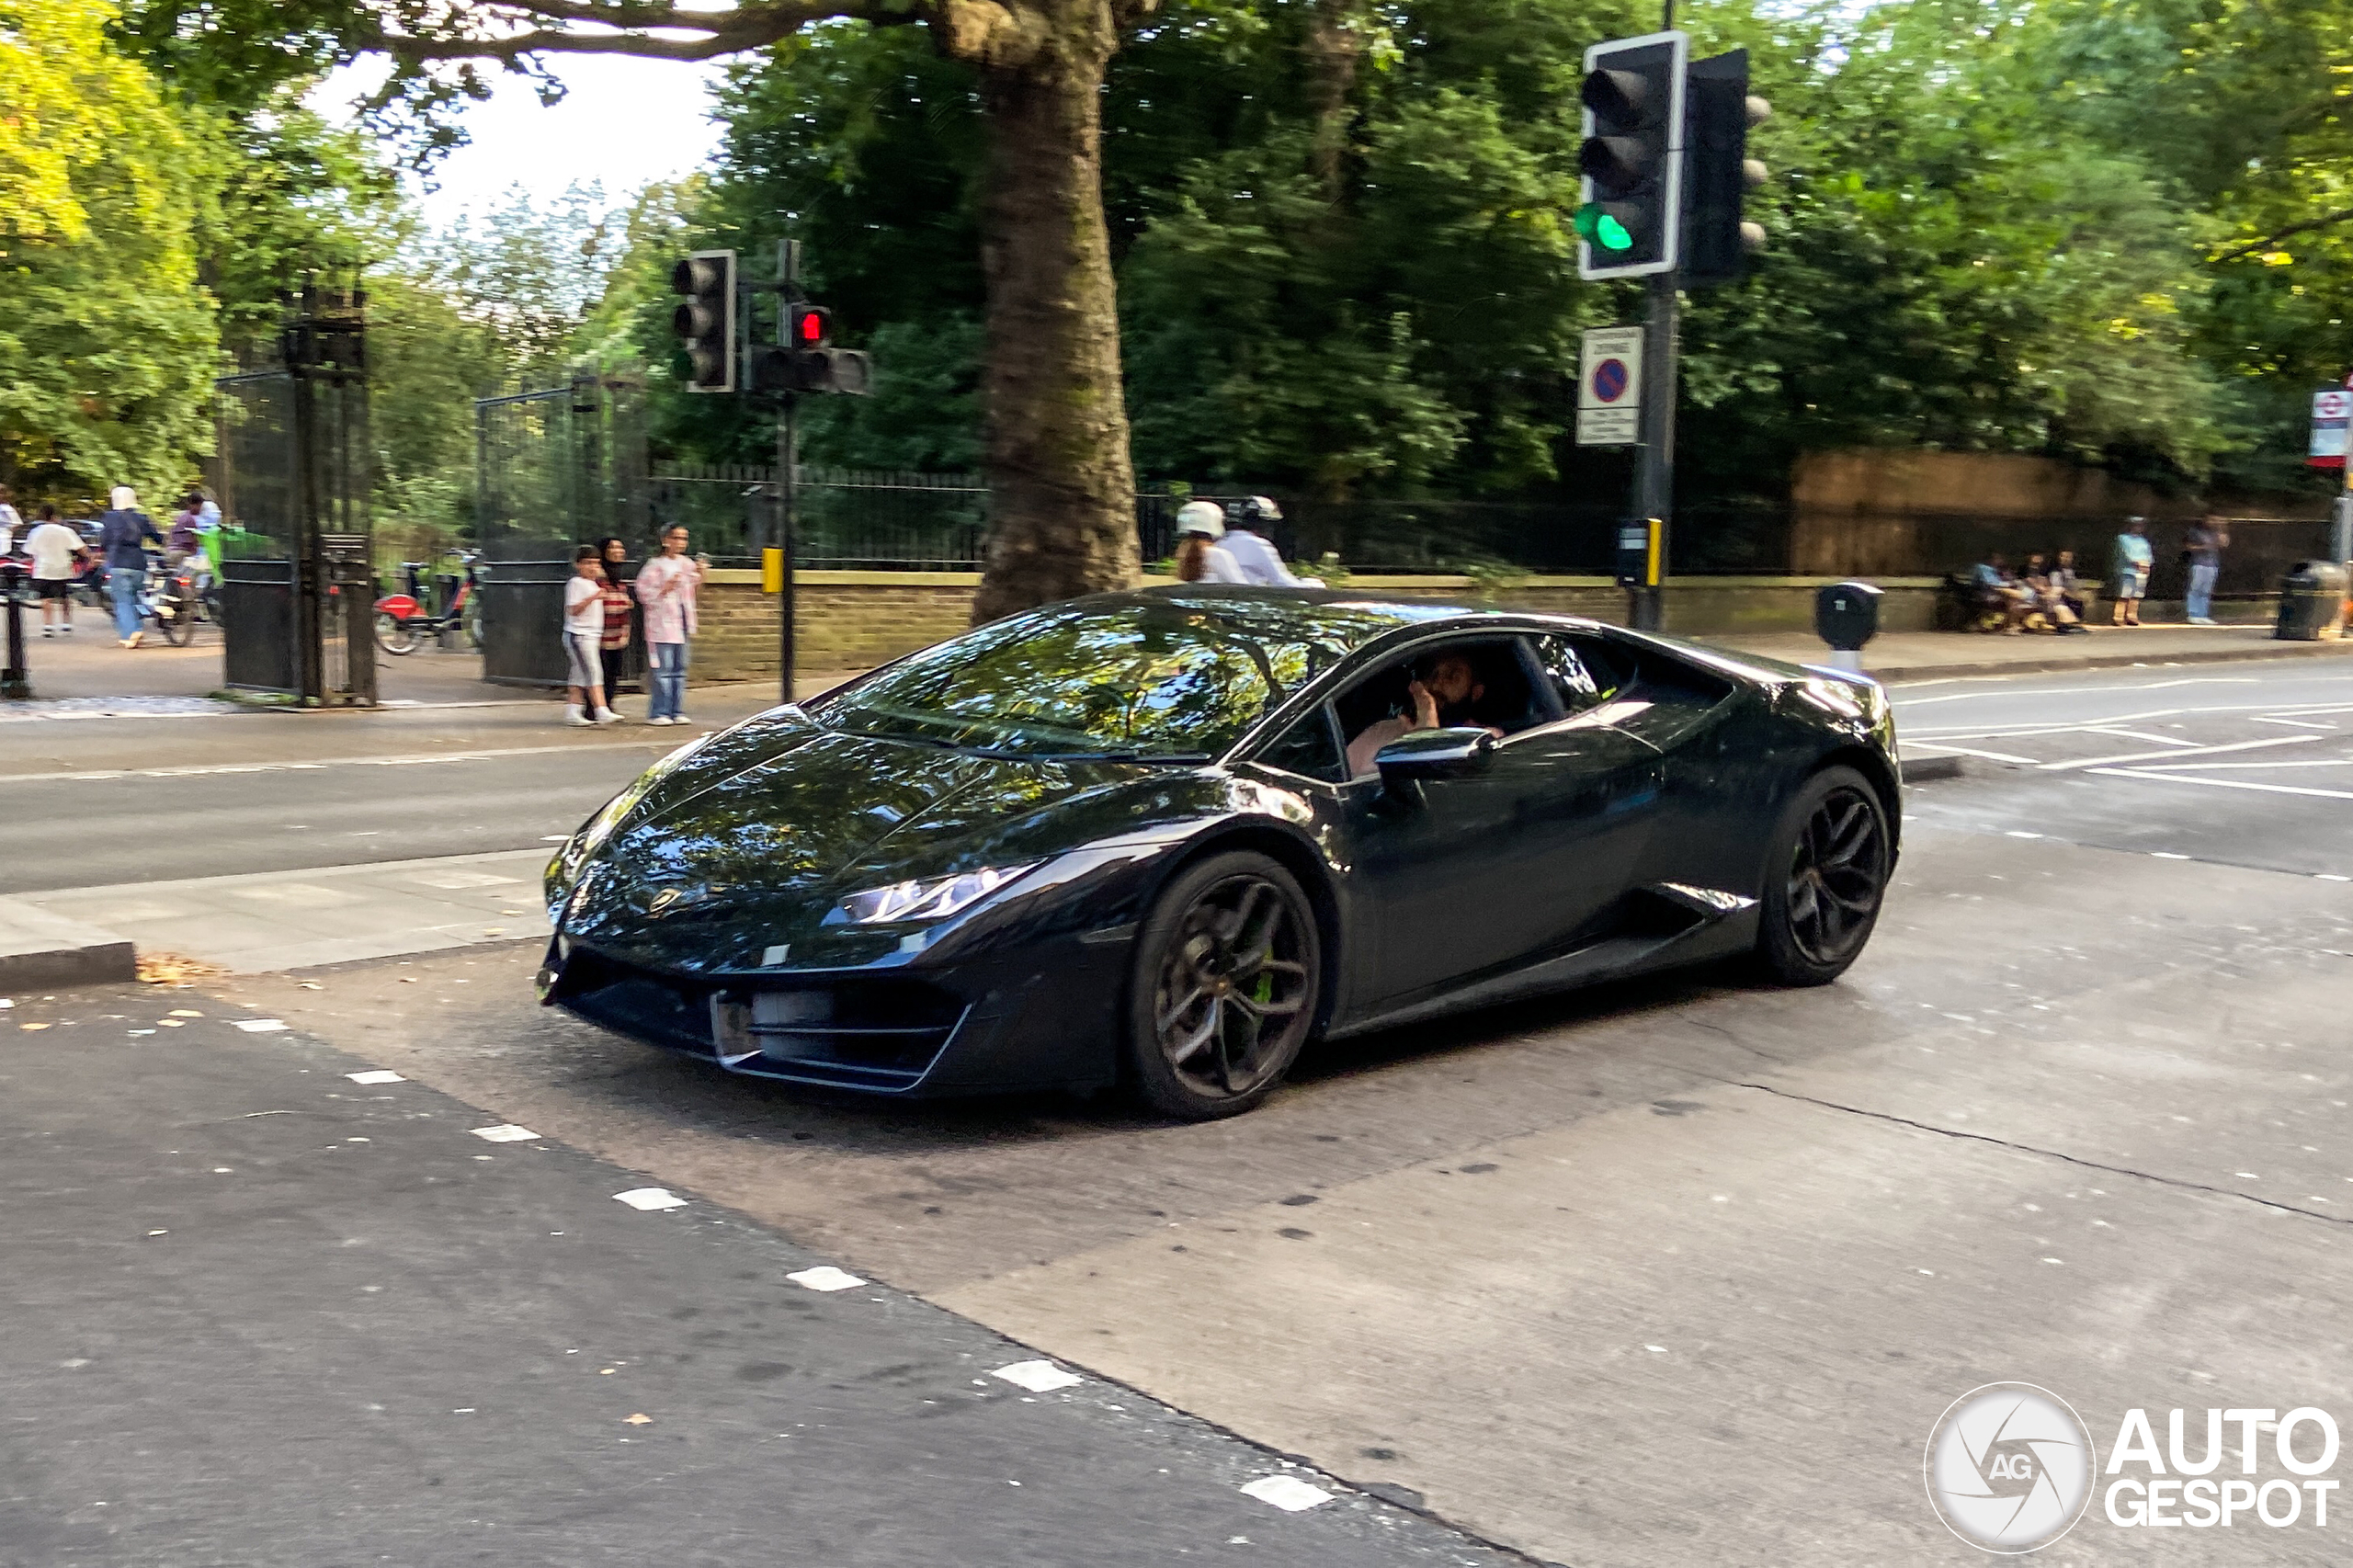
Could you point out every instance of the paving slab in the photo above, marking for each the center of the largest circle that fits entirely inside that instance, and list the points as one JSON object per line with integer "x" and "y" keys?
{"x": 279, "y": 920}
{"x": 39, "y": 947}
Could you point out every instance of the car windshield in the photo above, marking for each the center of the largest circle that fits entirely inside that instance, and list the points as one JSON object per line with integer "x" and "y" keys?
{"x": 1144, "y": 680}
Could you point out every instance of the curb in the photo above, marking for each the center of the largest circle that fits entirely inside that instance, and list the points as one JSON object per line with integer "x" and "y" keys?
{"x": 38, "y": 949}
{"x": 1929, "y": 769}
{"x": 2109, "y": 662}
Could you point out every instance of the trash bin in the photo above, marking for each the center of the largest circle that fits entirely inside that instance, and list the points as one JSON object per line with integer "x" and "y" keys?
{"x": 1846, "y": 615}
{"x": 2312, "y": 603}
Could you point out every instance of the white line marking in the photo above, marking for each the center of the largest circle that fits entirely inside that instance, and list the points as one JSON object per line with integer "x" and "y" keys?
{"x": 2295, "y": 723}
{"x": 1038, "y": 1377}
{"x": 505, "y": 1132}
{"x": 2216, "y": 766}
{"x": 259, "y": 1026}
{"x": 2137, "y": 735}
{"x": 825, "y": 1276}
{"x": 330, "y": 762}
{"x": 2100, "y": 762}
{"x": 2224, "y": 783}
{"x": 652, "y": 1199}
{"x": 1288, "y": 1493}
{"x": 1942, "y": 749}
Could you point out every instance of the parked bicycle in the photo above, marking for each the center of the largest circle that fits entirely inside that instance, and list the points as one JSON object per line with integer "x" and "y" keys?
{"x": 402, "y": 623}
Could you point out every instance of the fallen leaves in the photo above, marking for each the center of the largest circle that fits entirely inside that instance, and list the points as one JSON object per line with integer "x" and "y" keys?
{"x": 172, "y": 969}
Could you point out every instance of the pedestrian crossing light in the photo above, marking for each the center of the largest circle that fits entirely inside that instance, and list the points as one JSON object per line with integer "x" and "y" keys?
{"x": 1630, "y": 198}
{"x": 705, "y": 322}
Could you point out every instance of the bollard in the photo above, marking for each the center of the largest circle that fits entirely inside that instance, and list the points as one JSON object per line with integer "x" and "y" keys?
{"x": 15, "y": 683}
{"x": 1846, "y": 615}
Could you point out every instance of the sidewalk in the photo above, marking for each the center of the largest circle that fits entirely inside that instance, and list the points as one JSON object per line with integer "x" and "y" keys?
{"x": 1904, "y": 657}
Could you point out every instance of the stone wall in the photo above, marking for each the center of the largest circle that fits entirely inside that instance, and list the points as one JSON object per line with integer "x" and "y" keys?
{"x": 854, "y": 621}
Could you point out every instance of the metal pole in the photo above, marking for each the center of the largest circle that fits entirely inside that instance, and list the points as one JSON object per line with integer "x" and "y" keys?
{"x": 13, "y": 682}
{"x": 1654, "y": 478}
{"x": 787, "y": 484}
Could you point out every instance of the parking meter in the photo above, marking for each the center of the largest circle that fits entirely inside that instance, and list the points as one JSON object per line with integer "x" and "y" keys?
{"x": 1846, "y": 615}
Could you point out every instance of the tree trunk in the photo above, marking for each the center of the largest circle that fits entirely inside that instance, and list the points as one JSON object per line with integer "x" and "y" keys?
{"x": 1062, "y": 487}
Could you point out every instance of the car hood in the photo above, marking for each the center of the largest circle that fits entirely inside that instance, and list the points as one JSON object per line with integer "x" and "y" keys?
{"x": 728, "y": 855}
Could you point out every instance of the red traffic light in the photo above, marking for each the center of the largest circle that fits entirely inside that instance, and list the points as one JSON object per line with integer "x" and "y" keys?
{"x": 812, "y": 327}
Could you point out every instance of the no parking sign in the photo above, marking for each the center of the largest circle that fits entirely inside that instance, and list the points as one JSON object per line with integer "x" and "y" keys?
{"x": 1609, "y": 393}
{"x": 2331, "y": 410}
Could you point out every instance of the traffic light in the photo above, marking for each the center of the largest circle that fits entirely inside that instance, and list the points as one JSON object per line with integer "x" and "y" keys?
{"x": 807, "y": 362}
{"x": 1629, "y": 201}
{"x": 1717, "y": 170}
{"x": 706, "y": 321}
{"x": 812, "y": 327}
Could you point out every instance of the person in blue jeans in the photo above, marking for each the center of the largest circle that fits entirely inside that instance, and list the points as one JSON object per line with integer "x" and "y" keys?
{"x": 2203, "y": 549}
{"x": 123, "y": 534}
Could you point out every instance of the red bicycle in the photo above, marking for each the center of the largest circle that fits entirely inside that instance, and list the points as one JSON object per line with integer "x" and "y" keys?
{"x": 403, "y": 622}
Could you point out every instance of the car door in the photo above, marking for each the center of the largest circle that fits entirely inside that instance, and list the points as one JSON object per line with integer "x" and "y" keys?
{"x": 1469, "y": 875}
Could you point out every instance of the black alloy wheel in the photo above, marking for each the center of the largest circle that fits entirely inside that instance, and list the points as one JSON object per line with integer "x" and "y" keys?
{"x": 1826, "y": 880}
{"x": 1228, "y": 975}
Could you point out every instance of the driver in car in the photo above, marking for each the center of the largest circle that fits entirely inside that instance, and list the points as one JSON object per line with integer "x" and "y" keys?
{"x": 1446, "y": 695}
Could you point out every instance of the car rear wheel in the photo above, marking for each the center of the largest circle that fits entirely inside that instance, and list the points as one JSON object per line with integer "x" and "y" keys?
{"x": 1825, "y": 881}
{"x": 1228, "y": 973}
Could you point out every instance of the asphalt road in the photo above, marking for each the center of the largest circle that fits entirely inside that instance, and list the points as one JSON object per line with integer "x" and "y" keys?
{"x": 1665, "y": 1274}
{"x": 2241, "y": 765}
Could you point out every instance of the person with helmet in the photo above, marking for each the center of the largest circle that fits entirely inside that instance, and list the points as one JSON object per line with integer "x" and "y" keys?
{"x": 1246, "y": 540}
{"x": 1200, "y": 557}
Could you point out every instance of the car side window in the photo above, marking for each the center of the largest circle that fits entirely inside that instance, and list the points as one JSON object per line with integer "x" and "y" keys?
{"x": 1310, "y": 747}
{"x": 1581, "y": 673}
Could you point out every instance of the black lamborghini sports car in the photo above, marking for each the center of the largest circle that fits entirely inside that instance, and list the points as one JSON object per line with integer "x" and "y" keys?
{"x": 1164, "y": 837}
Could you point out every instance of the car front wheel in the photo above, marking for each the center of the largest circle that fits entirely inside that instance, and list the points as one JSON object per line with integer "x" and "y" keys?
{"x": 1823, "y": 885}
{"x": 1228, "y": 973}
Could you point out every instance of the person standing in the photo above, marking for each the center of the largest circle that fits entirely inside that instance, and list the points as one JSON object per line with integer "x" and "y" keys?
{"x": 2203, "y": 549}
{"x": 11, "y": 522}
{"x": 666, "y": 586}
{"x": 2128, "y": 565}
{"x": 123, "y": 534}
{"x": 584, "y": 629}
{"x": 1261, "y": 561}
{"x": 52, "y": 546}
{"x": 613, "y": 647}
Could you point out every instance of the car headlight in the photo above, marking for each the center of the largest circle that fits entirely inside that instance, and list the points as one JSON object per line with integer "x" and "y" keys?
{"x": 927, "y": 898}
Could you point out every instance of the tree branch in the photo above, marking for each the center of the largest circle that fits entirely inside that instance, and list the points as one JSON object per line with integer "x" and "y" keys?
{"x": 2268, "y": 242}
{"x": 748, "y": 27}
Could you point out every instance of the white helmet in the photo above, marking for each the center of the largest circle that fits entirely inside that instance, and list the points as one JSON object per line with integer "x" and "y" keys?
{"x": 1202, "y": 518}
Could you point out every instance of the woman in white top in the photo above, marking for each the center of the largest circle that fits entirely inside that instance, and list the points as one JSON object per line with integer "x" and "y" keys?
{"x": 1200, "y": 558}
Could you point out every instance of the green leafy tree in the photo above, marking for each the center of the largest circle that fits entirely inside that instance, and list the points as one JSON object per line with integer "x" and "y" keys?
{"x": 109, "y": 340}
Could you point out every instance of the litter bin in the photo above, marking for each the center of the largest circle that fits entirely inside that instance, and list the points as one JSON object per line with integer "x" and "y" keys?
{"x": 2312, "y": 603}
{"x": 1846, "y": 615}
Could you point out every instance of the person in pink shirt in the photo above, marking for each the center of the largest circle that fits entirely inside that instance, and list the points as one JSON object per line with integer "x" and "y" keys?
{"x": 666, "y": 586}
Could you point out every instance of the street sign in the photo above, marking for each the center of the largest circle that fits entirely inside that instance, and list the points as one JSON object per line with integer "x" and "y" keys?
{"x": 1609, "y": 392}
{"x": 2331, "y": 411}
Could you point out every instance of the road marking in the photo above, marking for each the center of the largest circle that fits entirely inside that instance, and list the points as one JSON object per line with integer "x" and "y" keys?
{"x": 2059, "y": 727}
{"x": 2063, "y": 690}
{"x": 2224, "y": 784}
{"x": 2212, "y": 767}
{"x": 2102, "y": 762}
{"x": 2298, "y": 723}
{"x": 2137, "y": 735}
{"x": 1943, "y": 750}
{"x": 85, "y": 777}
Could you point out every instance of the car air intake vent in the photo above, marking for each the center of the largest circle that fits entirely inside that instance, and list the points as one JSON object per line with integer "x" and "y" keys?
{"x": 859, "y": 1034}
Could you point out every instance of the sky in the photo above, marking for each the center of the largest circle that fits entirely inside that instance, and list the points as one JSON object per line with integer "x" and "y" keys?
{"x": 622, "y": 123}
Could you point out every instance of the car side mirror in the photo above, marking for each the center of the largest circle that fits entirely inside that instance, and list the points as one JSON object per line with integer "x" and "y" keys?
{"x": 1435, "y": 754}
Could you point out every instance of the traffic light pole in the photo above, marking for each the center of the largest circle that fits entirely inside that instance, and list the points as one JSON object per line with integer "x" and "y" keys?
{"x": 787, "y": 485}
{"x": 1654, "y": 473}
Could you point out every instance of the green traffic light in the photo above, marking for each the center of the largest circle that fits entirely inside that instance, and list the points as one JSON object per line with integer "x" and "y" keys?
{"x": 1599, "y": 227}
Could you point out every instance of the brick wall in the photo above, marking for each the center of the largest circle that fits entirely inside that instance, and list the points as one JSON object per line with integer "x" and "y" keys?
{"x": 854, "y": 621}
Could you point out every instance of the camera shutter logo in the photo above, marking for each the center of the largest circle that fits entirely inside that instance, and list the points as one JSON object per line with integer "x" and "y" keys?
{"x": 2010, "y": 1467}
